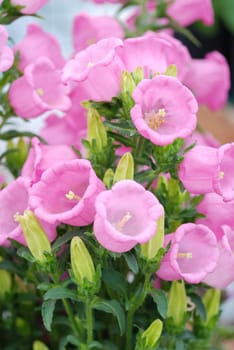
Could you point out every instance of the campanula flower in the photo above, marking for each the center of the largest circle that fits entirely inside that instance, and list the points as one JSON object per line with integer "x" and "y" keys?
{"x": 6, "y": 53}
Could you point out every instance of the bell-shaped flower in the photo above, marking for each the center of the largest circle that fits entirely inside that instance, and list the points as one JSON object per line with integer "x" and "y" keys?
{"x": 6, "y": 53}
{"x": 14, "y": 200}
{"x": 223, "y": 274}
{"x": 66, "y": 193}
{"x": 88, "y": 30}
{"x": 154, "y": 53}
{"x": 164, "y": 110}
{"x": 207, "y": 169}
{"x": 98, "y": 69}
{"x": 217, "y": 213}
{"x": 37, "y": 43}
{"x": 126, "y": 215}
{"x": 30, "y": 6}
{"x": 42, "y": 157}
{"x": 187, "y": 257}
{"x": 188, "y": 11}
{"x": 214, "y": 70}
{"x": 40, "y": 89}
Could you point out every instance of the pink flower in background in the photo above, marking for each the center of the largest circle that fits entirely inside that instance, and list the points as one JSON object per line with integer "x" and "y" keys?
{"x": 38, "y": 43}
{"x": 14, "y": 200}
{"x": 213, "y": 70}
{"x": 40, "y": 89}
{"x": 66, "y": 193}
{"x": 42, "y": 157}
{"x": 188, "y": 11}
{"x": 126, "y": 215}
{"x": 30, "y": 6}
{"x": 88, "y": 30}
{"x": 6, "y": 53}
{"x": 154, "y": 53}
{"x": 164, "y": 110}
{"x": 223, "y": 273}
{"x": 187, "y": 257}
{"x": 217, "y": 213}
{"x": 203, "y": 138}
{"x": 97, "y": 69}
{"x": 207, "y": 169}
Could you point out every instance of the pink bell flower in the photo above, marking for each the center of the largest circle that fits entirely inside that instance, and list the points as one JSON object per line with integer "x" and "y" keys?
{"x": 6, "y": 53}
{"x": 30, "y": 6}
{"x": 214, "y": 70}
{"x": 40, "y": 89}
{"x": 217, "y": 213}
{"x": 164, "y": 110}
{"x": 66, "y": 193}
{"x": 223, "y": 274}
{"x": 88, "y": 30}
{"x": 38, "y": 43}
{"x": 207, "y": 169}
{"x": 14, "y": 199}
{"x": 126, "y": 215}
{"x": 154, "y": 53}
{"x": 188, "y": 11}
{"x": 187, "y": 257}
{"x": 97, "y": 69}
{"x": 42, "y": 157}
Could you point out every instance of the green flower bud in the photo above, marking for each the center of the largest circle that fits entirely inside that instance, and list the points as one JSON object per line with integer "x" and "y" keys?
{"x": 127, "y": 83}
{"x": 211, "y": 301}
{"x": 152, "y": 334}
{"x": 171, "y": 70}
{"x": 108, "y": 178}
{"x": 5, "y": 283}
{"x": 150, "y": 249}
{"x": 34, "y": 234}
{"x": 125, "y": 168}
{"x": 96, "y": 129}
{"x": 16, "y": 158}
{"x": 81, "y": 261}
{"x": 138, "y": 75}
{"x": 38, "y": 345}
{"x": 177, "y": 303}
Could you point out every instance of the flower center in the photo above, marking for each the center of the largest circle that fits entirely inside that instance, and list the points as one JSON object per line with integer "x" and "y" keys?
{"x": 90, "y": 64}
{"x": 221, "y": 175}
{"x": 40, "y": 92}
{"x": 121, "y": 223}
{"x": 90, "y": 41}
{"x": 155, "y": 119}
{"x": 71, "y": 195}
{"x": 187, "y": 255}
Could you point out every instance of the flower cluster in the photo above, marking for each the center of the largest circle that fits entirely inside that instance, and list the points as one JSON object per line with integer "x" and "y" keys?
{"x": 114, "y": 177}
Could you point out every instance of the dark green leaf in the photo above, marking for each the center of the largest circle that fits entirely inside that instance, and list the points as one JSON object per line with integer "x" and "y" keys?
{"x": 200, "y": 308}
{"x": 114, "y": 280}
{"x": 25, "y": 253}
{"x": 160, "y": 300}
{"x": 10, "y": 134}
{"x": 64, "y": 239}
{"x": 60, "y": 293}
{"x": 131, "y": 262}
{"x": 113, "y": 307}
{"x": 47, "y": 311}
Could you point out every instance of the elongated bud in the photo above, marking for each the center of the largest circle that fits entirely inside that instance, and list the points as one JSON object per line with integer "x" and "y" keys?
{"x": 177, "y": 302}
{"x": 152, "y": 334}
{"x": 16, "y": 158}
{"x": 5, "y": 283}
{"x": 96, "y": 129}
{"x": 211, "y": 301}
{"x": 138, "y": 75}
{"x": 34, "y": 234}
{"x": 125, "y": 168}
{"x": 127, "y": 83}
{"x": 150, "y": 249}
{"x": 171, "y": 70}
{"x": 108, "y": 178}
{"x": 81, "y": 261}
{"x": 38, "y": 345}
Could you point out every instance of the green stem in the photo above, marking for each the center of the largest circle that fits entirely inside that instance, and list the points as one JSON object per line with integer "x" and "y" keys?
{"x": 71, "y": 317}
{"x": 129, "y": 329}
{"x": 89, "y": 319}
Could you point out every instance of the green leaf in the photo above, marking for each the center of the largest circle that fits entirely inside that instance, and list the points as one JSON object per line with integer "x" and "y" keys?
{"x": 47, "y": 311}
{"x": 179, "y": 345}
{"x": 64, "y": 239}
{"x": 60, "y": 293}
{"x": 114, "y": 280}
{"x": 23, "y": 252}
{"x": 113, "y": 307}
{"x": 131, "y": 262}
{"x": 225, "y": 10}
{"x": 160, "y": 300}
{"x": 10, "y": 134}
{"x": 200, "y": 308}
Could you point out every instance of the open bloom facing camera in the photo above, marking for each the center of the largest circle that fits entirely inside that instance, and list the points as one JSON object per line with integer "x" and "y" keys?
{"x": 126, "y": 215}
